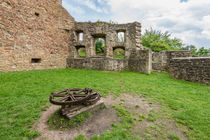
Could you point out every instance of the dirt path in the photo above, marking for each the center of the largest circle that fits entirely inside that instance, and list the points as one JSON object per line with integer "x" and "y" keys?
{"x": 96, "y": 124}
{"x": 101, "y": 120}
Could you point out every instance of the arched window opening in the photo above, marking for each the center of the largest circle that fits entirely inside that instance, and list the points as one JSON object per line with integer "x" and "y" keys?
{"x": 100, "y": 46}
{"x": 121, "y": 36}
{"x": 119, "y": 52}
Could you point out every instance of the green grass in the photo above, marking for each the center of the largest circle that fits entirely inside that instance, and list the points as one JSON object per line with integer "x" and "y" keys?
{"x": 121, "y": 130}
{"x": 120, "y": 56}
{"x": 24, "y": 95}
{"x": 152, "y": 116}
{"x": 173, "y": 137}
{"x": 58, "y": 121}
{"x": 82, "y": 54}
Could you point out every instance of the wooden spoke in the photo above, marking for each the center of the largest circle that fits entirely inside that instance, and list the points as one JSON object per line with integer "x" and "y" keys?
{"x": 62, "y": 99}
{"x": 74, "y": 96}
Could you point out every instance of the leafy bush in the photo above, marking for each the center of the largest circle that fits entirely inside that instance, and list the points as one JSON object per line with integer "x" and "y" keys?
{"x": 119, "y": 53}
{"x": 200, "y": 52}
{"x": 158, "y": 41}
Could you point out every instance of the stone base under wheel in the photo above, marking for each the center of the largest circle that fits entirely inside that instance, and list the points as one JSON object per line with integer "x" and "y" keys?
{"x": 73, "y": 111}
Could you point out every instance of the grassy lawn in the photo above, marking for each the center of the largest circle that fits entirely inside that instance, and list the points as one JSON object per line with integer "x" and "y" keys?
{"x": 23, "y": 96}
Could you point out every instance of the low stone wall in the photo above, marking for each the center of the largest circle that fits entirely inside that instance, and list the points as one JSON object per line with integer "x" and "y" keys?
{"x": 140, "y": 61}
{"x": 98, "y": 63}
{"x": 161, "y": 60}
{"x": 179, "y": 53}
{"x": 194, "y": 69}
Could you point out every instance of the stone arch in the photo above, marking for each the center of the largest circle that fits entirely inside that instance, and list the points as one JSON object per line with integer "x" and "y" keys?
{"x": 121, "y": 35}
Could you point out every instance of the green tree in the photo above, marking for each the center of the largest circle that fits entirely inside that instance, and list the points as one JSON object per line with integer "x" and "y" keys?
{"x": 158, "y": 41}
{"x": 200, "y": 52}
{"x": 203, "y": 52}
{"x": 99, "y": 46}
{"x": 191, "y": 48}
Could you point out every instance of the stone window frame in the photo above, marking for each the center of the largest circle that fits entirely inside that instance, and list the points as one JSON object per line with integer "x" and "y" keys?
{"x": 36, "y": 60}
{"x": 118, "y": 47}
{"x": 78, "y": 33}
{"x": 97, "y": 36}
{"x": 77, "y": 50}
{"x": 37, "y": 14}
{"x": 124, "y": 35}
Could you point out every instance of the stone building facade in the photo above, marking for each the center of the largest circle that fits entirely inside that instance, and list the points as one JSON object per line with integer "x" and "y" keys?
{"x": 109, "y": 32}
{"x": 34, "y": 34}
{"x": 131, "y": 44}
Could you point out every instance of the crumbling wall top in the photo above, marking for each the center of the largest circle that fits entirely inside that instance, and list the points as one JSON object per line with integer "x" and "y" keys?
{"x": 110, "y": 32}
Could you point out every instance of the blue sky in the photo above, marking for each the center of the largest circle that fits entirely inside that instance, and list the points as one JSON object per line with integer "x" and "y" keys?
{"x": 188, "y": 20}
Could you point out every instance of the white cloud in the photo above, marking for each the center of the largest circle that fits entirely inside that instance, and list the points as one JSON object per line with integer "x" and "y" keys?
{"x": 206, "y": 26}
{"x": 91, "y": 4}
{"x": 187, "y": 20}
{"x": 73, "y": 9}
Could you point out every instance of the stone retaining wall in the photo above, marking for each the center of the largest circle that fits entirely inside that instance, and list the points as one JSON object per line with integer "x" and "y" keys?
{"x": 139, "y": 61}
{"x": 98, "y": 63}
{"x": 194, "y": 69}
{"x": 161, "y": 60}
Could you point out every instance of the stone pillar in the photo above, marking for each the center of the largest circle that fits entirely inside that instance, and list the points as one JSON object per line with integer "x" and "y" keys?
{"x": 138, "y": 35}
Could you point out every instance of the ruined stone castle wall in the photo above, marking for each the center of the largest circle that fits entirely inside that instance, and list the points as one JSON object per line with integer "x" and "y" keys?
{"x": 108, "y": 32}
{"x": 161, "y": 60}
{"x": 141, "y": 61}
{"x": 99, "y": 63}
{"x": 40, "y": 34}
{"x": 194, "y": 69}
{"x": 34, "y": 34}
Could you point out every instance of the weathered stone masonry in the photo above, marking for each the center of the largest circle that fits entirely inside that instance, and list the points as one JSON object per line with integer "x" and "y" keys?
{"x": 34, "y": 34}
{"x": 37, "y": 34}
{"x": 194, "y": 69}
{"x": 162, "y": 59}
{"x": 93, "y": 31}
{"x": 109, "y": 32}
{"x": 181, "y": 66}
{"x": 141, "y": 61}
{"x": 41, "y": 34}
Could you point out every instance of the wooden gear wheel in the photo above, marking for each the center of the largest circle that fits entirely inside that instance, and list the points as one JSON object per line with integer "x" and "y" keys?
{"x": 74, "y": 96}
